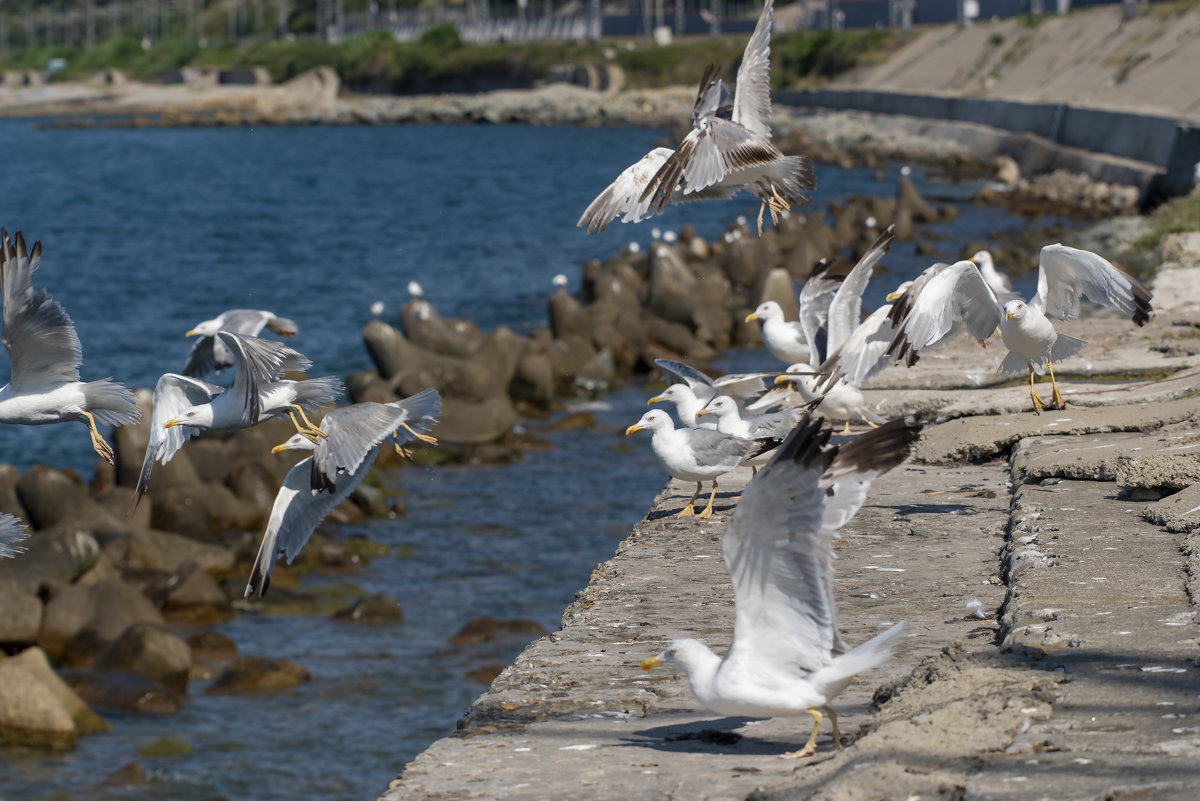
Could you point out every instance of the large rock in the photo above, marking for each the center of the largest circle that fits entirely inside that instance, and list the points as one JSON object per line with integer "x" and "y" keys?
{"x": 427, "y": 329}
{"x": 189, "y": 589}
{"x": 200, "y": 510}
{"x": 20, "y": 616}
{"x": 126, "y": 691}
{"x": 149, "y": 650}
{"x": 378, "y": 608}
{"x": 9, "y": 502}
{"x": 62, "y": 553}
{"x": 52, "y": 497}
{"x": 471, "y": 423}
{"x": 37, "y": 708}
{"x": 80, "y": 622}
{"x": 258, "y": 674}
{"x": 778, "y": 287}
{"x": 151, "y": 549}
{"x": 568, "y": 316}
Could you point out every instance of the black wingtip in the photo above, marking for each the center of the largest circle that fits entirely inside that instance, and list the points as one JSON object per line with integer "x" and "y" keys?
{"x": 1141, "y": 300}
{"x": 805, "y": 445}
{"x": 882, "y": 448}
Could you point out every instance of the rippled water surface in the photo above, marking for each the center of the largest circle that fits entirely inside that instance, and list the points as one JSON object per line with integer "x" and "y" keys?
{"x": 147, "y": 232}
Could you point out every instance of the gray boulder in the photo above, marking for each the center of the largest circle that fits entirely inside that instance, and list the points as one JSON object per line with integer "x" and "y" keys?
{"x": 39, "y": 709}
{"x": 126, "y": 691}
{"x": 150, "y": 650}
{"x": 20, "y": 616}
{"x": 258, "y": 674}
{"x": 61, "y": 553}
{"x": 378, "y": 608}
{"x": 80, "y": 622}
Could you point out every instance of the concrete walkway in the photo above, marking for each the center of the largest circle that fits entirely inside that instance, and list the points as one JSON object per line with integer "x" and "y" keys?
{"x": 1051, "y": 650}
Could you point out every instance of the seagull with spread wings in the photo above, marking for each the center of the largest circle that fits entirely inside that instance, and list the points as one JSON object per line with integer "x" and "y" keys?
{"x": 314, "y": 486}
{"x": 787, "y": 657}
{"x": 209, "y": 354}
{"x": 726, "y": 150}
{"x": 1065, "y": 276}
{"x": 45, "y": 355}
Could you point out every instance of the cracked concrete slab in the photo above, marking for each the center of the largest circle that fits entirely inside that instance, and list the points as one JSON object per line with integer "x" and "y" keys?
{"x": 1130, "y": 459}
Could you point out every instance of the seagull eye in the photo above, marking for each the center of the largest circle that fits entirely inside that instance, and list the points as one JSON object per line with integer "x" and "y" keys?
{"x": 191, "y": 414}
{"x": 671, "y": 652}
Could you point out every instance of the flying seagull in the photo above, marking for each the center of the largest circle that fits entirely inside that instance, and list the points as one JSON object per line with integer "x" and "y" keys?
{"x": 339, "y": 464}
{"x": 724, "y": 152}
{"x": 45, "y": 354}
{"x": 787, "y": 657}
{"x": 1065, "y": 276}
{"x": 209, "y": 354}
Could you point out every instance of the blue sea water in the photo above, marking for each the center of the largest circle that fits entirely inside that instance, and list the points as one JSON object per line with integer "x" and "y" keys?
{"x": 146, "y": 232}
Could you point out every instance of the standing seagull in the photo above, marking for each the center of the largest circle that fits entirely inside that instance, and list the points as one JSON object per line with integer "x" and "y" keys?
{"x": 1065, "y": 275}
{"x": 210, "y": 355}
{"x": 723, "y": 153}
{"x": 787, "y": 657}
{"x": 339, "y": 464}
{"x": 44, "y": 356}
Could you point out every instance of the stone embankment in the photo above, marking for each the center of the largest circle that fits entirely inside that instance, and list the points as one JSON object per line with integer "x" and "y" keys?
{"x": 1045, "y": 565}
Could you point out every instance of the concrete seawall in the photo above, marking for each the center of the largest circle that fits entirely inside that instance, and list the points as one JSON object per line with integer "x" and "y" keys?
{"x": 1052, "y": 639}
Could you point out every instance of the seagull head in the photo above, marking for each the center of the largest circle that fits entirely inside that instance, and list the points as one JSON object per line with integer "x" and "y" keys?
{"x": 673, "y": 393}
{"x": 654, "y": 420}
{"x": 685, "y": 655}
{"x": 298, "y": 442}
{"x": 983, "y": 260}
{"x": 900, "y": 290}
{"x": 721, "y": 406}
{"x": 198, "y": 416}
{"x": 1014, "y": 309}
{"x": 767, "y": 310}
{"x": 208, "y": 328}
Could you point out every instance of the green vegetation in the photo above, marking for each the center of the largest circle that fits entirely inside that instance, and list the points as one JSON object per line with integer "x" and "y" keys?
{"x": 440, "y": 61}
{"x": 1178, "y": 215}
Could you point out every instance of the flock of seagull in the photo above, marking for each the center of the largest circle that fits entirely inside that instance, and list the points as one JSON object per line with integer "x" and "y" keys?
{"x": 44, "y": 387}
{"x": 787, "y": 656}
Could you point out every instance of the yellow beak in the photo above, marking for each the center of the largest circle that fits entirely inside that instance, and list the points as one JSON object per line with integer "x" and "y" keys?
{"x": 702, "y": 412}
{"x": 279, "y": 448}
{"x": 654, "y": 400}
{"x": 893, "y": 295}
{"x": 191, "y": 333}
{"x": 632, "y": 429}
{"x": 651, "y": 662}
{"x": 1008, "y": 315}
{"x": 751, "y": 316}
{"x": 172, "y": 423}
{"x": 784, "y": 379}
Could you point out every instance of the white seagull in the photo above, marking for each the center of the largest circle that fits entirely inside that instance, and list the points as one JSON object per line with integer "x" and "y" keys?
{"x": 787, "y": 657}
{"x": 726, "y": 150}
{"x": 314, "y": 486}
{"x": 696, "y": 454}
{"x": 998, "y": 282}
{"x": 45, "y": 355}
{"x": 785, "y": 339}
{"x": 1065, "y": 276}
{"x": 209, "y": 354}
{"x": 184, "y": 406}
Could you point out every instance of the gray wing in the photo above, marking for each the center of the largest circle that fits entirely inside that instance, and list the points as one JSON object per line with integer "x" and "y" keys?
{"x": 705, "y": 156}
{"x": 957, "y": 293}
{"x": 1065, "y": 274}
{"x": 43, "y": 348}
{"x": 858, "y": 463}
{"x": 712, "y": 99}
{"x": 775, "y": 424}
{"x": 902, "y": 301}
{"x": 203, "y": 358}
{"x": 259, "y": 362}
{"x": 172, "y": 395}
{"x": 845, "y": 312}
{"x": 354, "y": 431}
{"x": 12, "y": 533}
{"x": 714, "y": 449}
{"x": 863, "y": 354}
{"x": 815, "y": 297}
{"x": 781, "y": 562}
{"x": 752, "y": 94}
{"x": 247, "y": 322}
{"x": 297, "y": 511}
{"x": 742, "y": 386}
{"x": 700, "y": 384}
{"x": 623, "y": 198}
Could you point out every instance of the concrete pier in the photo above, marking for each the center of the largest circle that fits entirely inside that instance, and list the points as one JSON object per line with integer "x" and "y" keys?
{"x": 1051, "y": 649}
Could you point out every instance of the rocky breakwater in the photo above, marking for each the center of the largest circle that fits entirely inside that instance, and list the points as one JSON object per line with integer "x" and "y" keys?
{"x": 122, "y": 604}
{"x": 684, "y": 299}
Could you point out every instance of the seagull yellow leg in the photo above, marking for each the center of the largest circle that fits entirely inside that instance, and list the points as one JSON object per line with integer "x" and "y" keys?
{"x": 404, "y": 452}
{"x": 308, "y": 422}
{"x": 708, "y": 509}
{"x": 101, "y": 447}
{"x": 301, "y": 430}
{"x": 423, "y": 437}
{"x": 846, "y": 428}
{"x": 761, "y": 209}
{"x": 688, "y": 511}
{"x": 1058, "y": 398}
{"x": 869, "y": 423}
{"x": 837, "y": 733}
{"x": 810, "y": 747}
{"x": 1037, "y": 402}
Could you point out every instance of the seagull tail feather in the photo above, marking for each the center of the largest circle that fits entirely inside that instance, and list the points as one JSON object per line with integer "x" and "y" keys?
{"x": 110, "y": 403}
{"x": 872, "y": 653}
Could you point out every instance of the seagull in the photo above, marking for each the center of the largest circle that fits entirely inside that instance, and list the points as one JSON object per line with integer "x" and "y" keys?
{"x": 727, "y": 149}
{"x": 998, "y": 282}
{"x": 45, "y": 354}
{"x": 183, "y": 405}
{"x": 1065, "y": 276}
{"x": 783, "y": 338}
{"x": 339, "y": 464}
{"x": 209, "y": 354}
{"x": 687, "y": 405}
{"x": 696, "y": 454}
{"x": 731, "y": 421}
{"x": 12, "y": 534}
{"x": 787, "y": 657}
{"x": 696, "y": 389}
